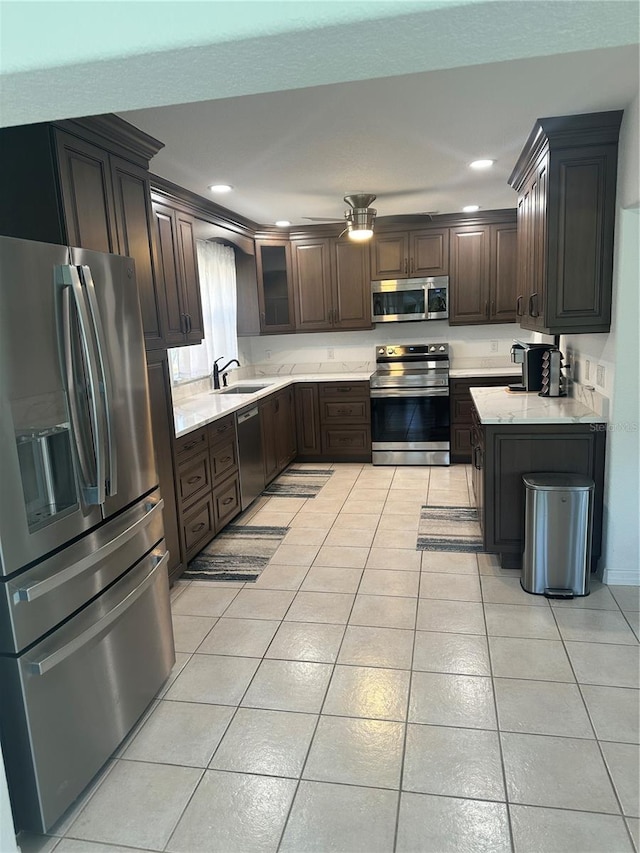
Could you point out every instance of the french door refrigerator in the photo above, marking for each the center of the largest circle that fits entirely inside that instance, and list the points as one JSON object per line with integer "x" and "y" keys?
{"x": 85, "y": 625}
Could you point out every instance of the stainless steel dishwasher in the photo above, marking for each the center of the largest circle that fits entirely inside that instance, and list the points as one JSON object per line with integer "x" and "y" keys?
{"x": 250, "y": 455}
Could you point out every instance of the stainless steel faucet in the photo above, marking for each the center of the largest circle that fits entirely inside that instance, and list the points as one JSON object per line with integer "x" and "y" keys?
{"x": 218, "y": 371}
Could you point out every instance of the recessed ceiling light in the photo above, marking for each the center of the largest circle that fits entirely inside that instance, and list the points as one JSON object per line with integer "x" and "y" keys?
{"x": 482, "y": 164}
{"x": 283, "y": 223}
{"x": 471, "y": 208}
{"x": 221, "y": 188}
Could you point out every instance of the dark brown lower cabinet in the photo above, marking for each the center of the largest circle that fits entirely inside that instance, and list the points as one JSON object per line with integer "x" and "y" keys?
{"x": 333, "y": 421}
{"x": 208, "y": 482}
{"x": 461, "y": 405}
{"x": 163, "y": 437}
{"x": 278, "y": 428}
{"x": 502, "y": 453}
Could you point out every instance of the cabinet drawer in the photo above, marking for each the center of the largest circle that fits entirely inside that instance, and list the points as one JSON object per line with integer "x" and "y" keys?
{"x": 347, "y": 411}
{"x": 190, "y": 444}
{"x": 226, "y": 502}
{"x": 198, "y": 526}
{"x": 347, "y": 441}
{"x": 343, "y": 389}
{"x": 194, "y": 478}
{"x": 224, "y": 459}
{"x": 222, "y": 429}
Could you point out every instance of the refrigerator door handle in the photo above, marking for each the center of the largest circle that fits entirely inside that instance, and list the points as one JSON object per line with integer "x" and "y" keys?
{"x": 35, "y": 590}
{"x": 67, "y": 277}
{"x": 111, "y": 486}
{"x": 99, "y": 628}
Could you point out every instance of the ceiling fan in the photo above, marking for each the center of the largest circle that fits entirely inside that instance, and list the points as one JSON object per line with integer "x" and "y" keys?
{"x": 360, "y": 216}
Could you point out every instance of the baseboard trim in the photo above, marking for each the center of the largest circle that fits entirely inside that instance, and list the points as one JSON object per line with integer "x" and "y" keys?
{"x": 621, "y": 577}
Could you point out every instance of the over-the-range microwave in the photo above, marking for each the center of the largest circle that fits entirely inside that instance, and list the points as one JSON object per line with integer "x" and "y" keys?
{"x": 396, "y": 300}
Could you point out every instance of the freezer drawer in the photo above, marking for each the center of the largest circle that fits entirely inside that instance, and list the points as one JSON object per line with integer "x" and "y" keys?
{"x": 35, "y": 601}
{"x": 70, "y": 700}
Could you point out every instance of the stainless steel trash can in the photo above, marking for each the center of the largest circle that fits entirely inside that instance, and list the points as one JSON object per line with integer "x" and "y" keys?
{"x": 557, "y": 537}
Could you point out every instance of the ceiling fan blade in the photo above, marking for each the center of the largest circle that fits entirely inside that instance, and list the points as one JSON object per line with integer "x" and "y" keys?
{"x": 322, "y": 219}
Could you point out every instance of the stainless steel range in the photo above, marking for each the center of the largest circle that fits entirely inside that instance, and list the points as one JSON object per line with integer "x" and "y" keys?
{"x": 410, "y": 405}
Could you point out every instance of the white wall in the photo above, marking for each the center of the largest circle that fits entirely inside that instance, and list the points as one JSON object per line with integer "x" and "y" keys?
{"x": 619, "y": 353}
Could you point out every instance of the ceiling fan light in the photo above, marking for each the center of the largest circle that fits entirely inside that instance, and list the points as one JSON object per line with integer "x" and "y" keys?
{"x": 360, "y": 222}
{"x": 360, "y": 234}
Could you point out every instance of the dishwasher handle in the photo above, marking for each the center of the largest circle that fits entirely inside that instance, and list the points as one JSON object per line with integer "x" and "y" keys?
{"x": 251, "y": 413}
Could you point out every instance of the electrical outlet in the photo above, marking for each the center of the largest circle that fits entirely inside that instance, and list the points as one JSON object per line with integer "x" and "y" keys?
{"x": 587, "y": 370}
{"x": 494, "y": 346}
{"x": 600, "y": 375}
{"x": 330, "y": 353}
{"x": 268, "y": 355}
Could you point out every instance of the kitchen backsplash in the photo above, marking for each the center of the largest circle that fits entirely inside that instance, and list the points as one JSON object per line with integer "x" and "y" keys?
{"x": 471, "y": 346}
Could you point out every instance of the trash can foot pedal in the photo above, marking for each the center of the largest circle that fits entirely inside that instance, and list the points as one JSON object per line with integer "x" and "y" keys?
{"x": 550, "y": 592}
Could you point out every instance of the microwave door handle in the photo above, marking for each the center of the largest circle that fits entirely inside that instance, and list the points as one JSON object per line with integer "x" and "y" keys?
{"x": 68, "y": 279}
{"x": 106, "y": 382}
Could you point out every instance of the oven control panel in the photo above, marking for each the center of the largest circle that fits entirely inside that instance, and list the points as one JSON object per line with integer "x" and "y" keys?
{"x": 406, "y": 352}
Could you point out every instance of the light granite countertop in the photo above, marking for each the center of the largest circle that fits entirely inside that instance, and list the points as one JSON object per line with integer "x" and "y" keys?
{"x": 470, "y": 372}
{"x": 499, "y": 406}
{"x": 204, "y": 408}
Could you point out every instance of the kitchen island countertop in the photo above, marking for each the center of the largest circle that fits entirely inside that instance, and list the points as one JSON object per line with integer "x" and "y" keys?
{"x": 499, "y": 406}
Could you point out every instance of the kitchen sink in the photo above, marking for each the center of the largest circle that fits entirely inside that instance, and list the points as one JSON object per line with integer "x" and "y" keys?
{"x": 242, "y": 389}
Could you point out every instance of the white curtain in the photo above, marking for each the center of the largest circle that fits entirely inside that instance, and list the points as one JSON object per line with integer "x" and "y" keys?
{"x": 217, "y": 271}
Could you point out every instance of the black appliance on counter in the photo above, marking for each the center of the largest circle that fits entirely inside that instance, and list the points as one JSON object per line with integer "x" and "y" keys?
{"x": 530, "y": 356}
{"x": 410, "y": 405}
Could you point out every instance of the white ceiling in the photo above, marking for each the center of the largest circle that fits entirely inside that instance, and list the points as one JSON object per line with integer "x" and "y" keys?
{"x": 407, "y": 139}
{"x": 314, "y": 100}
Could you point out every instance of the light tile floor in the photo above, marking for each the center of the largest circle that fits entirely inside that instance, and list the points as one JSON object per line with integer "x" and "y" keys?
{"x": 363, "y": 696}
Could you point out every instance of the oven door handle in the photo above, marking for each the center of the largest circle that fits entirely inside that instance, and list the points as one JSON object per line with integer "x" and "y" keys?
{"x": 411, "y": 392}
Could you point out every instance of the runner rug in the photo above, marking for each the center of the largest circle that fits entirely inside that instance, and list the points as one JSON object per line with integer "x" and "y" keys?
{"x": 298, "y": 483}
{"x": 239, "y": 553}
{"x": 449, "y": 528}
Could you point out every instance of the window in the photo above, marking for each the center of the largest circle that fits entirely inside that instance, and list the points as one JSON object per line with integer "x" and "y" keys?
{"x": 217, "y": 271}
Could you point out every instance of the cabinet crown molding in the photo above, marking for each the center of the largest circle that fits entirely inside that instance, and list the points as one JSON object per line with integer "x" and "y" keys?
{"x": 557, "y": 132}
{"x": 135, "y": 143}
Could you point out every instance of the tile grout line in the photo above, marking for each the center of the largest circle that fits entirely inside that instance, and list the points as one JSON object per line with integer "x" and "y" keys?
{"x": 498, "y": 729}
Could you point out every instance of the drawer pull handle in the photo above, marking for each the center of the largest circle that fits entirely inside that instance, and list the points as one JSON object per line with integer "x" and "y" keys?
{"x": 193, "y": 480}
{"x": 345, "y": 411}
{"x": 223, "y": 428}
{"x": 227, "y": 501}
{"x": 198, "y": 527}
{"x": 225, "y": 459}
{"x": 189, "y": 445}
{"x": 344, "y": 390}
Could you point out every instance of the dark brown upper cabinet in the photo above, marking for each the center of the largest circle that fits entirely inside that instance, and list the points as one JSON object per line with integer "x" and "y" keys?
{"x": 565, "y": 178}
{"x": 85, "y": 182}
{"x": 482, "y": 279}
{"x": 177, "y": 265}
{"x": 410, "y": 254}
{"x": 275, "y": 287}
{"x": 332, "y": 285}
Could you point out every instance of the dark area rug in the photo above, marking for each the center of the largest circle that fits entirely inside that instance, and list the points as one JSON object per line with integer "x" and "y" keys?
{"x": 449, "y": 528}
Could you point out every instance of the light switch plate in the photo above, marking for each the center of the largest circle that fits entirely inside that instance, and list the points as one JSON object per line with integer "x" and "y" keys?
{"x": 600, "y": 375}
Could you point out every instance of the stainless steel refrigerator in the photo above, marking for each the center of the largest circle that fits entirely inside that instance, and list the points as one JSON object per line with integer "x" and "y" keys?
{"x": 85, "y": 625}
